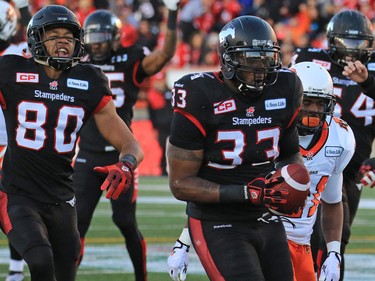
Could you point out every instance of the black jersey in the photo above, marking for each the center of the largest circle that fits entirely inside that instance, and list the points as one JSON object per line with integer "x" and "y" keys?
{"x": 43, "y": 119}
{"x": 241, "y": 136}
{"x": 353, "y": 106}
{"x": 125, "y": 75}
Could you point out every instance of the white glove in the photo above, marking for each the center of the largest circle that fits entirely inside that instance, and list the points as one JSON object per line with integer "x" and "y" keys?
{"x": 171, "y": 4}
{"x": 330, "y": 270}
{"x": 178, "y": 261}
{"x": 21, "y": 3}
{"x": 368, "y": 179}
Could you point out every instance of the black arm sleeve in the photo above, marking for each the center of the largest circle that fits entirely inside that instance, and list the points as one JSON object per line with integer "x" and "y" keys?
{"x": 368, "y": 86}
{"x": 184, "y": 134}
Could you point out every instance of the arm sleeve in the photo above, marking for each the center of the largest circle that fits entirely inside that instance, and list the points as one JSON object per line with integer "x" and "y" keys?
{"x": 333, "y": 190}
{"x": 289, "y": 143}
{"x": 185, "y": 134}
{"x": 188, "y": 128}
{"x": 368, "y": 86}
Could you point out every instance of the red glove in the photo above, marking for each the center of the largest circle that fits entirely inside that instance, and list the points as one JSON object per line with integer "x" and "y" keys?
{"x": 367, "y": 171}
{"x": 368, "y": 179}
{"x": 261, "y": 191}
{"x": 120, "y": 177}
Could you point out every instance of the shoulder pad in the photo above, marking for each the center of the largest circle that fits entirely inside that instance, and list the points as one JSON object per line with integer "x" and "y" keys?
{"x": 197, "y": 75}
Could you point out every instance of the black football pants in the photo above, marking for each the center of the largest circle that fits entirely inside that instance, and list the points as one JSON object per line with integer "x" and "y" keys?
{"x": 87, "y": 186}
{"x": 242, "y": 251}
{"x": 45, "y": 235}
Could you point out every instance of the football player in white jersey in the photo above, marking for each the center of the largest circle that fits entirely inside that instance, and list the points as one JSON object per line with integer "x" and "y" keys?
{"x": 327, "y": 144}
{"x": 8, "y": 22}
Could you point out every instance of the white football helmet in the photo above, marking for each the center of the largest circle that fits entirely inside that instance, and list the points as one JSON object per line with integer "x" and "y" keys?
{"x": 8, "y": 21}
{"x": 317, "y": 83}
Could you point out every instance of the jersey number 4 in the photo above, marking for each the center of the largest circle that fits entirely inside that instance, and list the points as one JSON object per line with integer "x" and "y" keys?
{"x": 362, "y": 108}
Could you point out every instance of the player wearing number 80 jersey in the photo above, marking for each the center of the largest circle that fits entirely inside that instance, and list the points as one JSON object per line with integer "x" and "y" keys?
{"x": 43, "y": 129}
{"x": 46, "y": 100}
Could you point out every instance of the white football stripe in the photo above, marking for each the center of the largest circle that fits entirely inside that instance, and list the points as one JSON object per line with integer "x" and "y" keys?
{"x": 292, "y": 182}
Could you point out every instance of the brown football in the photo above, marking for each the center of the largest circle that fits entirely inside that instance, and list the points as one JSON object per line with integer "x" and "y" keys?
{"x": 297, "y": 183}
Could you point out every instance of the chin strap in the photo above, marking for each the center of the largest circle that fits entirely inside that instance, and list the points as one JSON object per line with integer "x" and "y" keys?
{"x": 58, "y": 63}
{"x": 247, "y": 91}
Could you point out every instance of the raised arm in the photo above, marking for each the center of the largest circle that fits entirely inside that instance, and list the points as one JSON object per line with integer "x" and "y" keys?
{"x": 154, "y": 62}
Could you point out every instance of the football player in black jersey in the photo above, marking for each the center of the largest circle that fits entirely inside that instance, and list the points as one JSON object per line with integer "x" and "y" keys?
{"x": 351, "y": 63}
{"x": 229, "y": 130}
{"x": 125, "y": 68}
{"x": 46, "y": 100}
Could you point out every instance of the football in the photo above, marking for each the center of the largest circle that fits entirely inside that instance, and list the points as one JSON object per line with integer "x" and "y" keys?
{"x": 297, "y": 183}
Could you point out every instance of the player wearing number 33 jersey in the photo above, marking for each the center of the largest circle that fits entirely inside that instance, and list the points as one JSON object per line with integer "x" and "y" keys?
{"x": 229, "y": 130}
{"x": 48, "y": 116}
{"x": 241, "y": 135}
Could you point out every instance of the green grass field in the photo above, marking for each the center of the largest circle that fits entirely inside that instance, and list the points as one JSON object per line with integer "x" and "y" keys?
{"x": 160, "y": 218}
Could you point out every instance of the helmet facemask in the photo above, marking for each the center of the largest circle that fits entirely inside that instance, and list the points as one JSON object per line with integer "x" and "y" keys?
{"x": 249, "y": 54}
{"x": 312, "y": 121}
{"x": 344, "y": 49}
{"x": 318, "y": 98}
{"x": 102, "y": 34}
{"x": 252, "y": 69}
{"x": 50, "y": 17}
{"x": 99, "y": 37}
{"x": 60, "y": 63}
{"x": 350, "y": 37}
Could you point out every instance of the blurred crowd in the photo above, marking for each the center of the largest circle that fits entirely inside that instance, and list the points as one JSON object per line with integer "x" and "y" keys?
{"x": 298, "y": 23}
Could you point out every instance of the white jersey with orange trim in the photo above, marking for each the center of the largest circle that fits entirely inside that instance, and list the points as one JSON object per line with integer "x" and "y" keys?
{"x": 325, "y": 160}
{"x": 20, "y": 49}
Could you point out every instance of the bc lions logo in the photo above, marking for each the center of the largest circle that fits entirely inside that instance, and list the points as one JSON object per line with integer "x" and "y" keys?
{"x": 225, "y": 33}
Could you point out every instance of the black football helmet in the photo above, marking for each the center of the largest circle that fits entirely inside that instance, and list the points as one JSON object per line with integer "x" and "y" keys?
{"x": 101, "y": 26}
{"x": 317, "y": 85}
{"x": 350, "y": 37}
{"x": 50, "y": 17}
{"x": 249, "y": 54}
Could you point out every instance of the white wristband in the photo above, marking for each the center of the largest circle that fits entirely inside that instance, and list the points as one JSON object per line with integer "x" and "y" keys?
{"x": 185, "y": 237}
{"x": 334, "y": 246}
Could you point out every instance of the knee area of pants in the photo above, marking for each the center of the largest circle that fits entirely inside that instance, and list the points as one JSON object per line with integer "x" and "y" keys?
{"x": 123, "y": 223}
{"x": 39, "y": 258}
